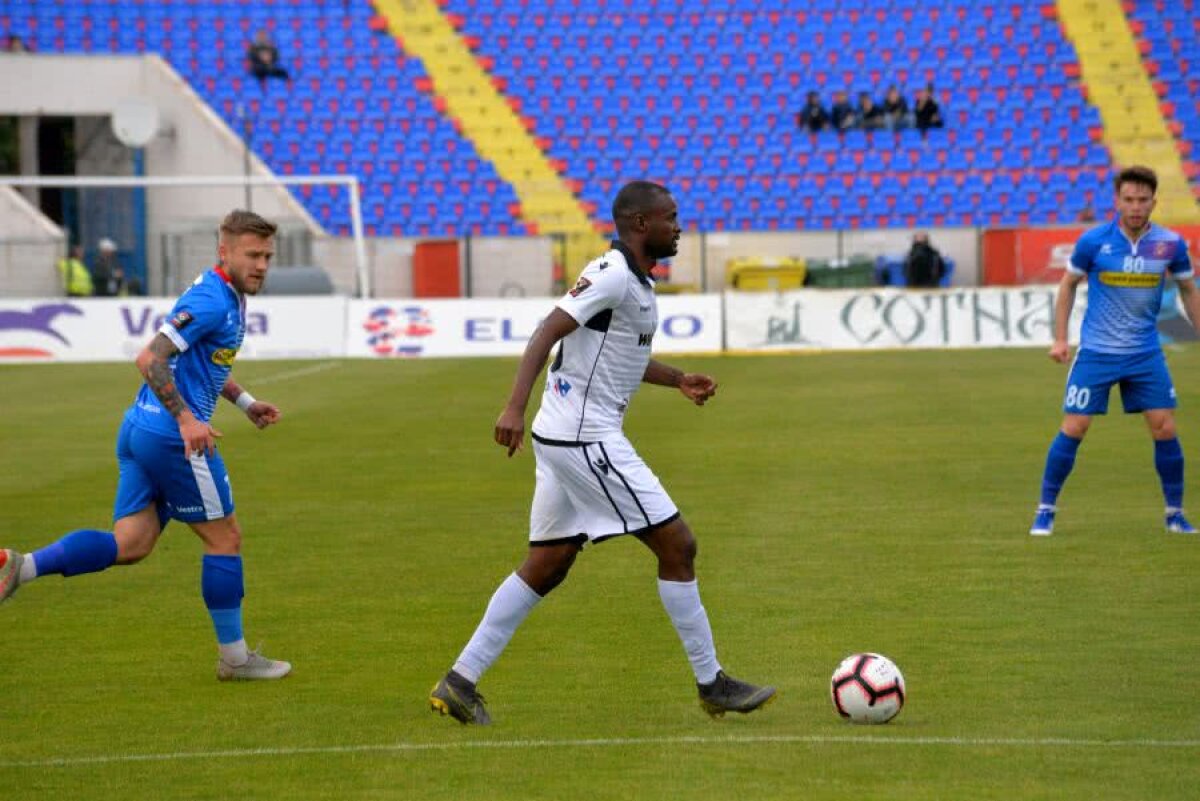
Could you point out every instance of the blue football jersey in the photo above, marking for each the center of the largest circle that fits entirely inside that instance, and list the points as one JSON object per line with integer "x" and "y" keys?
{"x": 207, "y": 325}
{"x": 1125, "y": 285}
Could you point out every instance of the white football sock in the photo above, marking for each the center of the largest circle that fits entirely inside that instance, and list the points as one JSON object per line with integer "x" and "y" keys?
{"x": 234, "y": 653}
{"x": 28, "y": 569}
{"x": 682, "y": 602}
{"x": 510, "y": 605}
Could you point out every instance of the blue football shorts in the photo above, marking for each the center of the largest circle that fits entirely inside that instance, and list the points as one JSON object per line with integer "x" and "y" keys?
{"x": 154, "y": 470}
{"x": 1144, "y": 379}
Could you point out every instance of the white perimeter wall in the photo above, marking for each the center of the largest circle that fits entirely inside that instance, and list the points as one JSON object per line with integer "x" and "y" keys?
{"x": 500, "y": 266}
{"x": 30, "y": 247}
{"x": 959, "y": 244}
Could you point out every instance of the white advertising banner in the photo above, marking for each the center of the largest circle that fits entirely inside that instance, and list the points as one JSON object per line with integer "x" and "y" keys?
{"x": 689, "y": 324}
{"x": 116, "y": 329}
{"x": 502, "y": 326}
{"x": 894, "y": 318}
{"x": 70, "y": 330}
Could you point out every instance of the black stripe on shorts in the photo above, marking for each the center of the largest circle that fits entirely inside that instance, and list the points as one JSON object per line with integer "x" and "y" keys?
{"x": 600, "y": 481}
{"x": 578, "y": 539}
{"x": 624, "y": 483}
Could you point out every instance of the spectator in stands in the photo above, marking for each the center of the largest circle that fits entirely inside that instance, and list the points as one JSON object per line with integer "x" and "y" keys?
{"x": 895, "y": 109}
{"x": 73, "y": 274}
{"x": 926, "y": 111}
{"x": 923, "y": 267}
{"x": 263, "y": 58}
{"x": 108, "y": 275}
{"x": 1087, "y": 215}
{"x": 14, "y": 44}
{"x": 813, "y": 116}
{"x": 842, "y": 113}
{"x": 870, "y": 115}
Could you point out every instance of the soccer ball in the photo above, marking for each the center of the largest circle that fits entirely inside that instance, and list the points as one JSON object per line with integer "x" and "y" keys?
{"x": 867, "y": 688}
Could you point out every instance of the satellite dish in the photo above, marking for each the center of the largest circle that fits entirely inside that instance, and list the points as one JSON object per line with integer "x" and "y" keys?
{"x": 135, "y": 122}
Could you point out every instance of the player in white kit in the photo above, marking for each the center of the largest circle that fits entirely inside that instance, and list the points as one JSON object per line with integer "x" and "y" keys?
{"x": 591, "y": 483}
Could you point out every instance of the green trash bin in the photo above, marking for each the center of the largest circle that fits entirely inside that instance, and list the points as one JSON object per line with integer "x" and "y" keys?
{"x": 859, "y": 272}
{"x": 821, "y": 274}
{"x": 840, "y": 273}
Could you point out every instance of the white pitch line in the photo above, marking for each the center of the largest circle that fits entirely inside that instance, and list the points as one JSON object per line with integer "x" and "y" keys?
{"x": 272, "y": 378}
{"x": 611, "y": 742}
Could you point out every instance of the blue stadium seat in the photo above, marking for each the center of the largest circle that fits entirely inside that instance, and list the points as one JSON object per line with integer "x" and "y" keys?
{"x": 675, "y": 91}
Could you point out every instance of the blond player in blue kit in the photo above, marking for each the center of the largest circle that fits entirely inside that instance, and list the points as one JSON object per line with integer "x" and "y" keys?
{"x": 591, "y": 485}
{"x": 1125, "y": 262}
{"x": 166, "y": 449}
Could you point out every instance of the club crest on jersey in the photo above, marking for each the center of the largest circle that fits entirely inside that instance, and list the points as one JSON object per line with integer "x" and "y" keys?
{"x": 580, "y": 286}
{"x": 181, "y": 320}
{"x": 1162, "y": 250}
{"x": 561, "y": 387}
{"x": 224, "y": 356}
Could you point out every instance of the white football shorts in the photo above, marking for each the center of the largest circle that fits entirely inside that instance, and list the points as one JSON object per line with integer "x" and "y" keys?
{"x": 593, "y": 491}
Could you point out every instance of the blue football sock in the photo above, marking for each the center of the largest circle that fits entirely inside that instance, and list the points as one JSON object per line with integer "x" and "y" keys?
{"x": 1168, "y": 460}
{"x": 1059, "y": 462}
{"x": 222, "y": 588}
{"x": 84, "y": 551}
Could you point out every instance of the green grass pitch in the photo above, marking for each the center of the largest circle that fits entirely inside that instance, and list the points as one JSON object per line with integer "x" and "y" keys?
{"x": 842, "y": 503}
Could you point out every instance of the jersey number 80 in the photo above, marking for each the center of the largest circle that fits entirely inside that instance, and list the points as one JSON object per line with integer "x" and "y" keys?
{"x": 1078, "y": 396}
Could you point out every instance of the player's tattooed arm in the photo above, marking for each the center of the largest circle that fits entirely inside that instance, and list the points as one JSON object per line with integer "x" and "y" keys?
{"x": 261, "y": 413}
{"x": 154, "y": 364}
{"x": 231, "y": 390}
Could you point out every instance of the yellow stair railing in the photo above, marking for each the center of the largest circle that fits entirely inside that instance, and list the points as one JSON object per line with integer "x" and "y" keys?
{"x": 499, "y": 134}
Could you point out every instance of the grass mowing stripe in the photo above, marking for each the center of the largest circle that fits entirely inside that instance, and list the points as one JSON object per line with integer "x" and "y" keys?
{"x": 617, "y": 742}
{"x": 286, "y": 375}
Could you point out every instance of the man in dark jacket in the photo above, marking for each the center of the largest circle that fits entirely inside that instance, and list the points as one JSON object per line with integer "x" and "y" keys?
{"x": 927, "y": 113}
{"x": 895, "y": 109}
{"x": 813, "y": 116}
{"x": 263, "y": 59}
{"x": 107, "y": 273}
{"x": 870, "y": 116}
{"x": 923, "y": 267}
{"x": 842, "y": 113}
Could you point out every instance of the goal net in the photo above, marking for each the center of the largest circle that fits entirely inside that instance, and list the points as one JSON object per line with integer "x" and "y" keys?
{"x": 162, "y": 230}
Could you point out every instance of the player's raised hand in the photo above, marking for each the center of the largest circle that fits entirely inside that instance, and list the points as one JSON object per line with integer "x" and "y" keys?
{"x": 697, "y": 387}
{"x": 198, "y": 437}
{"x": 1060, "y": 351}
{"x": 510, "y": 430}
{"x": 263, "y": 414}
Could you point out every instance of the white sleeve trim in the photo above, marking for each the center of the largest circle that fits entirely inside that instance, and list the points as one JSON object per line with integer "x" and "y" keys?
{"x": 170, "y": 333}
{"x": 1073, "y": 270}
{"x": 1184, "y": 275}
{"x": 569, "y": 312}
{"x": 582, "y": 311}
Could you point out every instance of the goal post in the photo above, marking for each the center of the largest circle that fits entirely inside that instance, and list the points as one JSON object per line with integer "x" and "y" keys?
{"x": 349, "y": 183}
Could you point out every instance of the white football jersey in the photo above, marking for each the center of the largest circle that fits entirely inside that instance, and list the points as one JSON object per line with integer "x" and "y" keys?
{"x": 599, "y": 365}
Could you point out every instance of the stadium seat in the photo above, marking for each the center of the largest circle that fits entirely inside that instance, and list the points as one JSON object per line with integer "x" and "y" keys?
{"x": 674, "y": 91}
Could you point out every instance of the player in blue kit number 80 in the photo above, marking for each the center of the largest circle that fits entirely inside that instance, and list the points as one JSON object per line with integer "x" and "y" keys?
{"x": 1125, "y": 263}
{"x": 166, "y": 449}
